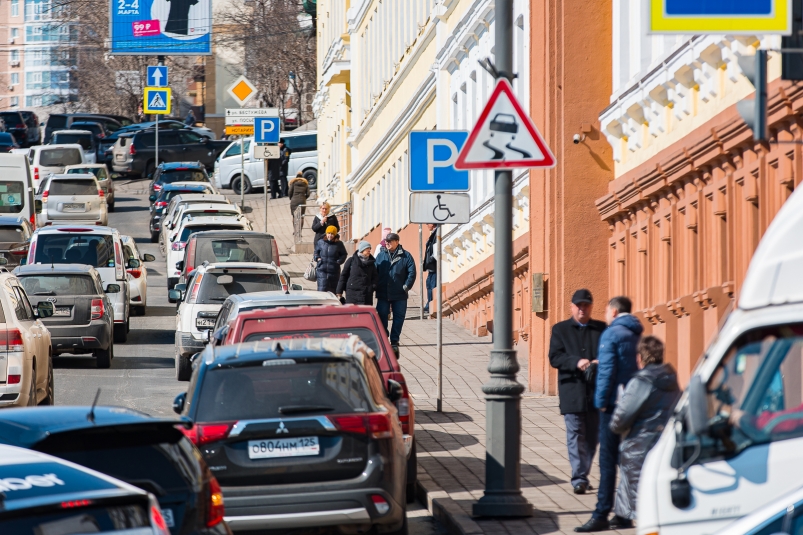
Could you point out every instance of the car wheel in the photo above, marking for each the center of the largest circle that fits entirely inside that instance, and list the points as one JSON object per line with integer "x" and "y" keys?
{"x": 139, "y": 310}
{"x": 111, "y": 207}
{"x": 32, "y": 391}
{"x": 50, "y": 398}
{"x": 311, "y": 176}
{"x": 183, "y": 367}
{"x": 412, "y": 474}
{"x": 128, "y": 323}
{"x": 402, "y": 530}
{"x": 150, "y": 167}
{"x": 235, "y": 185}
{"x": 120, "y": 333}
{"x": 154, "y": 237}
{"x": 104, "y": 356}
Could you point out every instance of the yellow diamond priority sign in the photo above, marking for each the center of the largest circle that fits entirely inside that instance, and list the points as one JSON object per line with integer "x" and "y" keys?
{"x": 242, "y": 90}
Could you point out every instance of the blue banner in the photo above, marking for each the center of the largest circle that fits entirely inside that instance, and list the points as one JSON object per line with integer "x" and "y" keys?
{"x": 161, "y": 27}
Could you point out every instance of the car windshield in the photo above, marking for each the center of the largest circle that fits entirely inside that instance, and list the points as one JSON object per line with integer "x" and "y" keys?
{"x": 166, "y": 195}
{"x": 182, "y": 175}
{"x": 85, "y": 140}
{"x": 332, "y": 386}
{"x": 96, "y": 250}
{"x": 73, "y": 186}
{"x": 10, "y": 233}
{"x": 366, "y": 335}
{"x": 11, "y": 197}
{"x": 94, "y": 128}
{"x": 186, "y": 232}
{"x": 58, "y": 285}
{"x": 212, "y": 291}
{"x": 60, "y": 157}
{"x": 12, "y": 120}
{"x": 235, "y": 249}
{"x": 97, "y": 171}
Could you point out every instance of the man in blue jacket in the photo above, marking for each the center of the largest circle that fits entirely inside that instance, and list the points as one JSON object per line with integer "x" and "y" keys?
{"x": 617, "y": 364}
{"x": 396, "y": 269}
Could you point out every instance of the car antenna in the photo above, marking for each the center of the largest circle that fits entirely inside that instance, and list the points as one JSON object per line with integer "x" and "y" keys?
{"x": 91, "y": 415}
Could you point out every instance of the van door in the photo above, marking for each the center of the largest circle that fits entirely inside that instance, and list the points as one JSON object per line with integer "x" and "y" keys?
{"x": 16, "y": 191}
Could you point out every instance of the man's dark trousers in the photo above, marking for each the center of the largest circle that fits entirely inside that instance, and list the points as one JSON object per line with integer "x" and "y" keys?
{"x": 275, "y": 188}
{"x": 608, "y": 461}
{"x": 432, "y": 282}
{"x": 399, "y": 307}
{"x": 582, "y": 430}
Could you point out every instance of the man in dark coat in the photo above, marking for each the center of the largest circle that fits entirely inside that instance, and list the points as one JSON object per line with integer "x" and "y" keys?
{"x": 617, "y": 365}
{"x": 573, "y": 352}
{"x": 330, "y": 253}
{"x": 359, "y": 277}
{"x": 396, "y": 269}
{"x": 284, "y": 164}
{"x": 430, "y": 263}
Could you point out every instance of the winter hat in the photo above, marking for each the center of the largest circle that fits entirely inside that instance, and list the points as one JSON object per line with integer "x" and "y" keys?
{"x": 331, "y": 229}
{"x": 392, "y": 237}
{"x": 363, "y": 246}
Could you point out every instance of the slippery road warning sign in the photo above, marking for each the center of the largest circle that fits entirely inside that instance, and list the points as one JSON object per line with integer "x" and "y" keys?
{"x": 157, "y": 100}
{"x": 504, "y": 136}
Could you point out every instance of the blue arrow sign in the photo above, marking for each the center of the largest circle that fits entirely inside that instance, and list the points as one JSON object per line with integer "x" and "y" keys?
{"x": 157, "y": 76}
{"x": 266, "y": 129}
{"x": 432, "y": 157}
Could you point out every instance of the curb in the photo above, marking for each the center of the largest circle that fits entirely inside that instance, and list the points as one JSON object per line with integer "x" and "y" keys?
{"x": 443, "y": 508}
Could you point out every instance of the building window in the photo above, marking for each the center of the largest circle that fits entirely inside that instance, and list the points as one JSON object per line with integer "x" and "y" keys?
{"x": 14, "y": 55}
{"x": 15, "y": 102}
{"x": 15, "y": 78}
{"x": 15, "y": 33}
{"x": 15, "y": 8}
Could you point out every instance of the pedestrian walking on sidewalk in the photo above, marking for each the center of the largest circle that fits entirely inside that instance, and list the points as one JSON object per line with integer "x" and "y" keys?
{"x": 284, "y": 164}
{"x": 396, "y": 269}
{"x": 330, "y": 255}
{"x": 359, "y": 277}
{"x": 298, "y": 191}
{"x": 640, "y": 417}
{"x": 383, "y": 242}
{"x": 573, "y": 352}
{"x": 323, "y": 220}
{"x": 430, "y": 263}
{"x": 617, "y": 365}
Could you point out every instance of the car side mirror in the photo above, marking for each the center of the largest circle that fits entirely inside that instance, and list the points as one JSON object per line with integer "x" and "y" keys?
{"x": 178, "y": 402}
{"x": 113, "y": 289}
{"x": 37, "y": 206}
{"x": 180, "y": 265}
{"x": 296, "y": 287}
{"x": 395, "y": 391}
{"x": 134, "y": 263}
{"x": 175, "y": 295}
{"x": 147, "y": 257}
{"x": 697, "y": 408}
{"x": 152, "y": 198}
{"x": 44, "y": 309}
{"x": 220, "y": 334}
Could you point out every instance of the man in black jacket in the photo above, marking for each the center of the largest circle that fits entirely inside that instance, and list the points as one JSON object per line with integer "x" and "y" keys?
{"x": 573, "y": 352}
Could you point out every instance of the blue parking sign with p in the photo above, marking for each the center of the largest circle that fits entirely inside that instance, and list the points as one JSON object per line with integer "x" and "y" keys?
{"x": 266, "y": 129}
{"x": 432, "y": 157}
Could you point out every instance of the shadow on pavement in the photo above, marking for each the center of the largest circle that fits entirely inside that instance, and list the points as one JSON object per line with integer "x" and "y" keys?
{"x": 82, "y": 362}
{"x": 441, "y": 417}
{"x": 531, "y": 476}
{"x": 122, "y": 209}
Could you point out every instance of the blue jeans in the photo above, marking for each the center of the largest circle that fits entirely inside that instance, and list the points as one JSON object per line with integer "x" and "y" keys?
{"x": 608, "y": 461}
{"x": 432, "y": 282}
{"x": 383, "y": 308}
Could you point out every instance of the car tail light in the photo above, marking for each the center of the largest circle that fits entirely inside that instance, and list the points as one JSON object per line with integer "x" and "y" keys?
{"x": 381, "y": 504}
{"x": 190, "y": 256}
{"x": 36, "y": 173}
{"x": 131, "y": 150}
{"x": 32, "y": 251}
{"x": 204, "y": 433}
{"x": 136, "y": 273}
{"x": 119, "y": 270}
{"x": 275, "y": 247}
{"x": 74, "y": 229}
{"x": 403, "y": 404}
{"x": 376, "y": 424}
{"x": 100, "y": 193}
{"x": 157, "y": 187}
{"x": 45, "y": 194}
{"x": 19, "y": 252}
{"x": 214, "y": 515}
{"x": 14, "y": 379}
{"x": 158, "y": 522}
{"x": 97, "y": 309}
{"x": 195, "y": 287}
{"x": 160, "y": 204}
{"x": 33, "y": 220}
{"x": 71, "y": 504}
{"x": 178, "y": 246}
{"x": 12, "y": 338}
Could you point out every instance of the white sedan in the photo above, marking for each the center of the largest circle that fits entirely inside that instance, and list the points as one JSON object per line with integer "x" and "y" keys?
{"x": 137, "y": 275}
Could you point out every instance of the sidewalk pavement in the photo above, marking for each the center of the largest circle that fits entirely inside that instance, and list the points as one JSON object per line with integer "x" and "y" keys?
{"x": 451, "y": 444}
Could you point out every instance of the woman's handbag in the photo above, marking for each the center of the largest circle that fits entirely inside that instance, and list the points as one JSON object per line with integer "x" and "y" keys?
{"x": 311, "y": 273}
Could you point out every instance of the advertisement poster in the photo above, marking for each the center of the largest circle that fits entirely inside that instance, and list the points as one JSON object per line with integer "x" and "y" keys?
{"x": 161, "y": 27}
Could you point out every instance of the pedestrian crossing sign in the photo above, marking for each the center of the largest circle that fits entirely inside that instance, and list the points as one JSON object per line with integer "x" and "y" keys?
{"x": 157, "y": 100}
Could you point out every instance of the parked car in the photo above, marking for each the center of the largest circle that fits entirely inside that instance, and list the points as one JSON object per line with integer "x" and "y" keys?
{"x": 63, "y": 121}
{"x": 26, "y": 372}
{"x": 291, "y": 446}
{"x": 195, "y": 210}
{"x": 137, "y": 275}
{"x": 228, "y": 246}
{"x": 15, "y": 125}
{"x": 99, "y": 247}
{"x": 140, "y": 450}
{"x": 330, "y": 322}
{"x": 52, "y": 159}
{"x": 162, "y": 199}
{"x": 178, "y": 125}
{"x": 85, "y": 138}
{"x": 71, "y": 199}
{"x": 176, "y": 203}
{"x": 7, "y": 142}
{"x": 168, "y": 173}
{"x": 55, "y": 497}
{"x": 16, "y": 181}
{"x": 15, "y": 235}
{"x": 34, "y": 135}
{"x": 99, "y": 133}
{"x": 201, "y": 299}
{"x": 101, "y": 173}
{"x": 135, "y": 152}
{"x": 83, "y": 316}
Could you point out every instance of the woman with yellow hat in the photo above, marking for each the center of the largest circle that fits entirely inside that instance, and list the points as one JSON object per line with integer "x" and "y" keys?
{"x": 330, "y": 253}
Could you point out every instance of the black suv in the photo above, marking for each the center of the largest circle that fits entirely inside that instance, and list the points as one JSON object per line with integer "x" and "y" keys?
{"x": 15, "y": 125}
{"x": 138, "y": 150}
{"x": 34, "y": 135}
{"x": 168, "y": 173}
{"x": 64, "y": 121}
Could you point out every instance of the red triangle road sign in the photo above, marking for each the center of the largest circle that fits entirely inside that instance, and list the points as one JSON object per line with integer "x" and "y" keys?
{"x": 504, "y": 136}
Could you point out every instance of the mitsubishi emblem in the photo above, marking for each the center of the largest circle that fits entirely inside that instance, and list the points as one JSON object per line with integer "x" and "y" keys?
{"x": 281, "y": 429}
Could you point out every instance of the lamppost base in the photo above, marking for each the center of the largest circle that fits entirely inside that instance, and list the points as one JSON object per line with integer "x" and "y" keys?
{"x": 502, "y": 504}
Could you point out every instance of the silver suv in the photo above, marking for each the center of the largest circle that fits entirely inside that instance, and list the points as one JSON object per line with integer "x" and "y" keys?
{"x": 73, "y": 198}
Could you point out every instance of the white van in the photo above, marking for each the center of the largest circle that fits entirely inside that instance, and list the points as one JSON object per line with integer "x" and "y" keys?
{"x": 735, "y": 441}
{"x": 16, "y": 187}
{"x": 52, "y": 159}
{"x": 85, "y": 138}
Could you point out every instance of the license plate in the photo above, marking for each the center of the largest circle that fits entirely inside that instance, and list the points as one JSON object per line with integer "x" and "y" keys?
{"x": 61, "y": 311}
{"x": 77, "y": 207}
{"x": 283, "y": 447}
{"x": 120, "y": 157}
{"x": 204, "y": 323}
{"x": 167, "y": 514}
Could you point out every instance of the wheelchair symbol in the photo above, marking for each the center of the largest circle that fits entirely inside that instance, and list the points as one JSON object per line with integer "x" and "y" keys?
{"x": 439, "y": 209}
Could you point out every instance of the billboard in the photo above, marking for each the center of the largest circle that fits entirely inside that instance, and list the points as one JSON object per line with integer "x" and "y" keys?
{"x": 161, "y": 27}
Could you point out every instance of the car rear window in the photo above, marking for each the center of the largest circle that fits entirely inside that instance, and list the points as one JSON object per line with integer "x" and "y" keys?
{"x": 73, "y": 186}
{"x": 11, "y": 197}
{"x": 235, "y": 249}
{"x": 12, "y": 120}
{"x": 10, "y": 233}
{"x": 182, "y": 175}
{"x": 56, "y": 121}
{"x": 282, "y": 388}
{"x": 212, "y": 292}
{"x": 59, "y": 285}
{"x": 366, "y": 335}
{"x": 186, "y": 232}
{"x": 96, "y": 250}
{"x": 59, "y": 157}
{"x": 97, "y": 171}
{"x": 85, "y": 140}
{"x": 112, "y": 519}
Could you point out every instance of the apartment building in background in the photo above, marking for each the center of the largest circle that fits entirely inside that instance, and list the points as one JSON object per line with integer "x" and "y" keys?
{"x": 12, "y": 62}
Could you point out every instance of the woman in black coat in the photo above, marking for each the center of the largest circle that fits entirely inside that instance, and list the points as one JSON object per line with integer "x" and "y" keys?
{"x": 359, "y": 277}
{"x": 322, "y": 221}
{"x": 330, "y": 253}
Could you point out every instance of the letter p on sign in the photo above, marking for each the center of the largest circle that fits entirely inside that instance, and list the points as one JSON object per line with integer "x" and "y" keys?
{"x": 432, "y": 163}
{"x": 266, "y": 129}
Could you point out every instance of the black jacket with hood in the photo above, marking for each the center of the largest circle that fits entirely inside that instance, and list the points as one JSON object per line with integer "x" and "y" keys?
{"x": 358, "y": 279}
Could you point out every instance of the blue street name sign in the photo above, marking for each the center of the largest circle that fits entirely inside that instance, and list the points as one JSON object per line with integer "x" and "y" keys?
{"x": 266, "y": 129}
{"x": 157, "y": 76}
{"x": 432, "y": 157}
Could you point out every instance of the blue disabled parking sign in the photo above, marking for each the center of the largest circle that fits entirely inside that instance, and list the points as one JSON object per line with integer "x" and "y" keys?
{"x": 432, "y": 157}
{"x": 266, "y": 129}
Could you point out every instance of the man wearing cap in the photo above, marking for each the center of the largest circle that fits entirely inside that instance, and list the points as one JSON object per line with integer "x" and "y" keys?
{"x": 573, "y": 352}
{"x": 396, "y": 269}
{"x": 359, "y": 277}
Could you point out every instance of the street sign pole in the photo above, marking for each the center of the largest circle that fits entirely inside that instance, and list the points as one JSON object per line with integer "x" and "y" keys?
{"x": 160, "y": 61}
{"x": 242, "y": 175}
{"x": 503, "y": 496}
{"x": 421, "y": 278}
{"x": 439, "y": 287}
